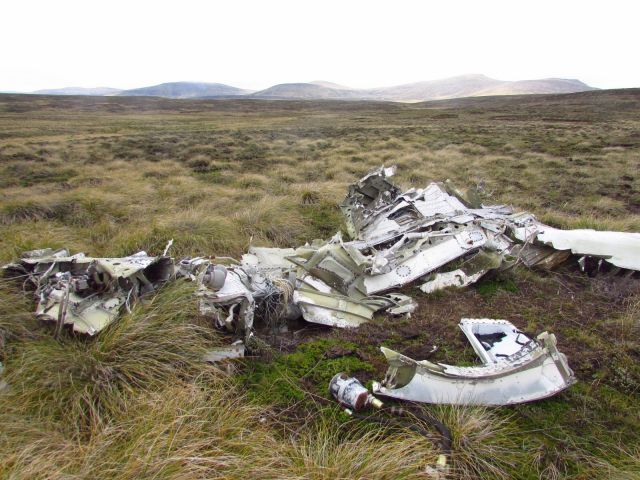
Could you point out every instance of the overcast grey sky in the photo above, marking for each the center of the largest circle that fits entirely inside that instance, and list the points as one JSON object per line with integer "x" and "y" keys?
{"x": 255, "y": 44}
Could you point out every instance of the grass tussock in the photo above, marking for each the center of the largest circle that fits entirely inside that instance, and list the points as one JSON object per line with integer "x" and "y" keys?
{"x": 16, "y": 322}
{"x": 83, "y": 383}
{"x": 483, "y": 442}
{"x": 183, "y": 431}
{"x": 326, "y": 453}
{"x": 205, "y": 429}
{"x": 33, "y": 447}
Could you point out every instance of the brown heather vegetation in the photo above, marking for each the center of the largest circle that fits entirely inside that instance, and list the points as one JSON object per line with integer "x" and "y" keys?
{"x": 110, "y": 176}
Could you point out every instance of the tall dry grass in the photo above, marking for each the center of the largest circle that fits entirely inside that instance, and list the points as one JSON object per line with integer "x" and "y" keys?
{"x": 203, "y": 428}
{"x": 84, "y": 382}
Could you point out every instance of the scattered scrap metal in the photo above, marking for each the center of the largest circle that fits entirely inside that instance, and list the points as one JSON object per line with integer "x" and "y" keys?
{"x": 436, "y": 237}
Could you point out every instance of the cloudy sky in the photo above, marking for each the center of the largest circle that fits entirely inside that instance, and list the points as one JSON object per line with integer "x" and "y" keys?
{"x": 255, "y": 44}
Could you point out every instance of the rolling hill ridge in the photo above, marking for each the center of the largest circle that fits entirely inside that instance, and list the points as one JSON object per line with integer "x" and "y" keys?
{"x": 454, "y": 87}
{"x": 185, "y": 90}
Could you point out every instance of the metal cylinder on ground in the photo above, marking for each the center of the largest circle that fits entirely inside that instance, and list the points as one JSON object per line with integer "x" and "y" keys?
{"x": 350, "y": 393}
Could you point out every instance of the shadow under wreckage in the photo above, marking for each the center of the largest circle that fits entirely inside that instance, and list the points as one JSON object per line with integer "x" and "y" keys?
{"x": 434, "y": 237}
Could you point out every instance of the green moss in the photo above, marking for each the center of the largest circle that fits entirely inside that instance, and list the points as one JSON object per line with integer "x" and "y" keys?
{"x": 290, "y": 378}
{"x": 489, "y": 287}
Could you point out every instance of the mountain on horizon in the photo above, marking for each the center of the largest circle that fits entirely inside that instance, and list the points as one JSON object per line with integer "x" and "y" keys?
{"x": 309, "y": 91}
{"x": 337, "y": 86}
{"x": 452, "y": 87}
{"x": 544, "y": 85}
{"x": 186, "y": 90}
{"x": 473, "y": 85}
{"x": 96, "y": 91}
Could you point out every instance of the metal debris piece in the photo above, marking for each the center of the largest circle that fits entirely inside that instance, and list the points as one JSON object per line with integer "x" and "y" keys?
{"x": 350, "y": 393}
{"x": 399, "y": 237}
{"x": 235, "y": 350}
{"x": 515, "y": 369}
{"x": 279, "y": 283}
{"x": 404, "y": 305}
{"x": 493, "y": 340}
{"x": 618, "y": 248}
{"x": 333, "y": 309}
{"x": 231, "y": 293}
{"x": 455, "y": 278}
{"x": 469, "y": 272}
{"x": 353, "y": 396}
{"x": 88, "y": 293}
{"x": 268, "y": 259}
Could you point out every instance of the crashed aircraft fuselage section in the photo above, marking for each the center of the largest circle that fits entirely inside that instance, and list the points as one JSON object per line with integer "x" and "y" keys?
{"x": 527, "y": 370}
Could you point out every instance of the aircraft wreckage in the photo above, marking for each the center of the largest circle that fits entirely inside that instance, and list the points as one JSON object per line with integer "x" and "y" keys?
{"x": 515, "y": 369}
{"x": 435, "y": 237}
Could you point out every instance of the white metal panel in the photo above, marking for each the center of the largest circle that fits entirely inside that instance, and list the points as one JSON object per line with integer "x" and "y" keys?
{"x": 425, "y": 261}
{"x": 621, "y": 249}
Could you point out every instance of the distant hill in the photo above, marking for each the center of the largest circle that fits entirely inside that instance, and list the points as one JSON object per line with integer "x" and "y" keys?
{"x": 336, "y": 86}
{"x": 185, "y": 90}
{"x": 609, "y": 102}
{"x": 528, "y": 87}
{"x": 454, "y": 87}
{"x": 97, "y": 91}
{"x": 442, "y": 89}
{"x": 474, "y": 86}
{"x": 306, "y": 91}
